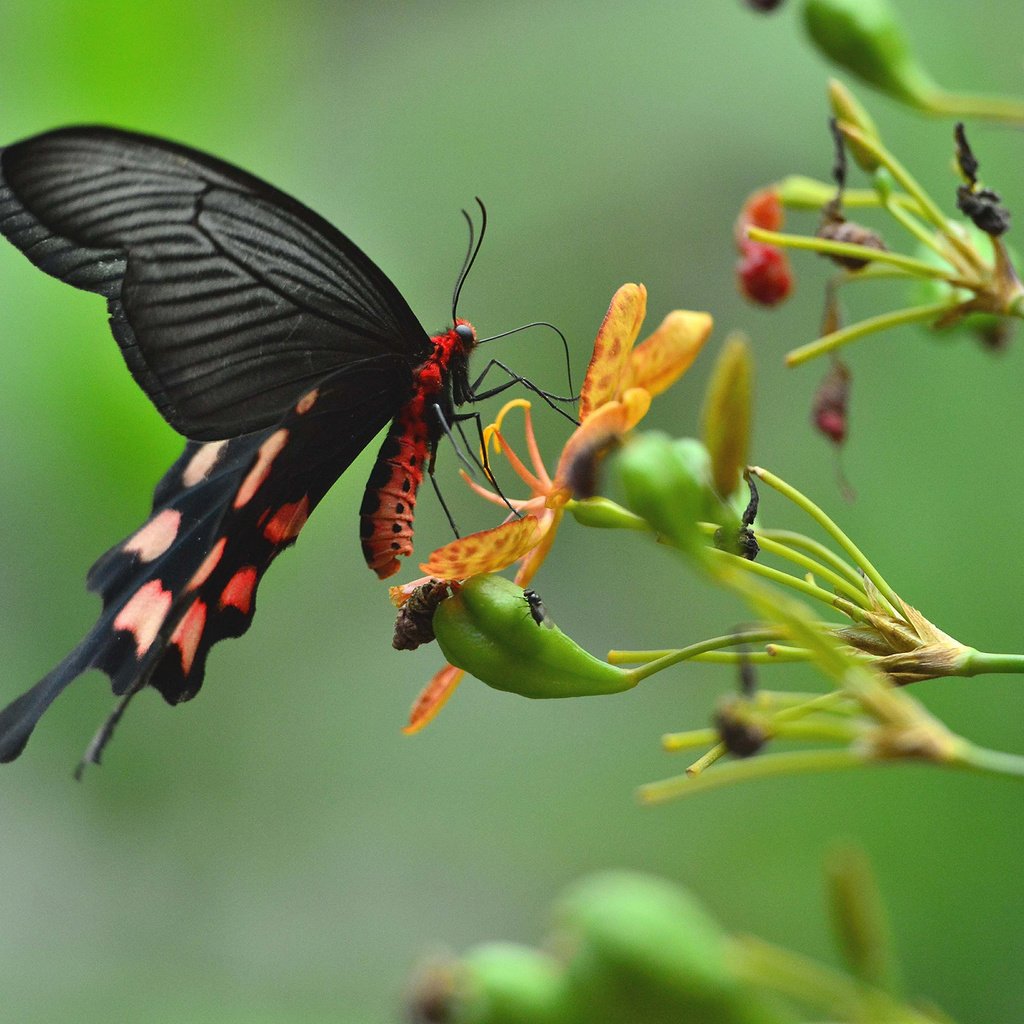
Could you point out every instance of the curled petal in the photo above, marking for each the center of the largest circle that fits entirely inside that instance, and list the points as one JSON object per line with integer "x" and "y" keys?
{"x": 487, "y": 551}
{"x": 612, "y": 346}
{"x": 493, "y": 430}
{"x": 400, "y": 595}
{"x": 433, "y": 698}
{"x": 659, "y": 361}
{"x": 597, "y": 432}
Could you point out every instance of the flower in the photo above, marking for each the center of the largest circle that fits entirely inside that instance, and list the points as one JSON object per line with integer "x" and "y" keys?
{"x": 621, "y": 380}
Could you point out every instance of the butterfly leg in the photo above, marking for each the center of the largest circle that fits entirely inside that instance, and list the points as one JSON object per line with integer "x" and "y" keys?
{"x": 514, "y": 378}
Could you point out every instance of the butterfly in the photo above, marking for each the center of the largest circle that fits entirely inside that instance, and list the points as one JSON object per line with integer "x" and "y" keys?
{"x": 264, "y": 336}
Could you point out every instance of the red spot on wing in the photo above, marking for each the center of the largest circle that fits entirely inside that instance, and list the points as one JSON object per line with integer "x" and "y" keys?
{"x": 201, "y": 463}
{"x": 188, "y": 633}
{"x": 269, "y": 450}
{"x": 287, "y": 521}
{"x": 144, "y": 614}
{"x": 307, "y": 401}
{"x": 209, "y": 564}
{"x": 155, "y": 537}
{"x": 239, "y": 590}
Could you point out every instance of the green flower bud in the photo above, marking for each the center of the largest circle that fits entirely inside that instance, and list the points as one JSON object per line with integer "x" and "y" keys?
{"x": 488, "y": 630}
{"x": 641, "y": 949}
{"x": 798, "y": 192}
{"x": 727, "y": 413}
{"x": 865, "y": 37}
{"x": 668, "y": 483}
{"x": 848, "y": 108}
{"x": 504, "y": 983}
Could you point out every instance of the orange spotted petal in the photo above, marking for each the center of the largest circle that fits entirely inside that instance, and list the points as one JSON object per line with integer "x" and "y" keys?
{"x": 612, "y": 346}
{"x": 636, "y": 402}
{"x": 660, "y": 360}
{"x": 433, "y": 698}
{"x": 487, "y": 551}
{"x": 535, "y": 558}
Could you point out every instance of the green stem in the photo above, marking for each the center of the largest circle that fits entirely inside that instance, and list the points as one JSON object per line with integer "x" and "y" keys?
{"x": 774, "y": 655}
{"x": 826, "y": 247}
{"x": 928, "y": 207}
{"x": 855, "y": 592}
{"x": 706, "y": 760}
{"x": 815, "y": 548}
{"x": 799, "y": 192}
{"x": 784, "y": 579}
{"x": 859, "y": 558}
{"x": 793, "y": 762}
{"x": 675, "y": 741}
{"x": 903, "y": 177}
{"x": 820, "y": 728}
{"x": 667, "y": 659}
{"x": 964, "y": 106}
{"x": 978, "y": 663}
{"x": 989, "y": 762}
{"x": 835, "y": 995}
{"x": 873, "y": 324}
{"x": 917, "y": 230}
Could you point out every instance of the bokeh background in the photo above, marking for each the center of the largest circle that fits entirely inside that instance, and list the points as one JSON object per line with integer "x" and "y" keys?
{"x": 276, "y": 850}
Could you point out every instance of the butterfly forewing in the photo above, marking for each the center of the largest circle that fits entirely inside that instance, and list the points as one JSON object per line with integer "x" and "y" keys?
{"x": 229, "y": 299}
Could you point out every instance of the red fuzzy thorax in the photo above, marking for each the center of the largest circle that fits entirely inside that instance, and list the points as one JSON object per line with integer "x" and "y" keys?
{"x": 389, "y": 504}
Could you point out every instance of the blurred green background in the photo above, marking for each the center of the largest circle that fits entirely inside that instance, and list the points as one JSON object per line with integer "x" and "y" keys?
{"x": 276, "y": 850}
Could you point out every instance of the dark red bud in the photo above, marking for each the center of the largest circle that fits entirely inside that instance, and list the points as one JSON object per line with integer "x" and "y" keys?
{"x": 831, "y": 402}
{"x": 764, "y": 274}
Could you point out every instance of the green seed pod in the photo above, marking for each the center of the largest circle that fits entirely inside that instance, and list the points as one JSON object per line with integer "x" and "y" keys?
{"x": 641, "y": 949}
{"x": 504, "y": 983}
{"x": 488, "y": 630}
{"x": 668, "y": 483}
{"x": 865, "y": 37}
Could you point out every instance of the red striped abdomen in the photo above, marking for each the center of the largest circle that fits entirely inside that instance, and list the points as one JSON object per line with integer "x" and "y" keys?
{"x": 389, "y": 504}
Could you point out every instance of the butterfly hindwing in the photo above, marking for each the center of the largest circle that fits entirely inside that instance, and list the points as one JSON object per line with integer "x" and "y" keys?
{"x": 228, "y": 298}
{"x": 188, "y": 577}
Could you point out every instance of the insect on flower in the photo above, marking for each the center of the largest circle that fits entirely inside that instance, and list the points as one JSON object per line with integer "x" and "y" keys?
{"x": 621, "y": 381}
{"x": 268, "y": 339}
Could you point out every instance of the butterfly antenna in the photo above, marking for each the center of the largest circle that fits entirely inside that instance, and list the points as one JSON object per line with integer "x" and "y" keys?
{"x": 472, "y": 250}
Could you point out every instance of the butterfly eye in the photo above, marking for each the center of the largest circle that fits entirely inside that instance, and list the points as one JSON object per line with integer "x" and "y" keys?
{"x": 466, "y": 335}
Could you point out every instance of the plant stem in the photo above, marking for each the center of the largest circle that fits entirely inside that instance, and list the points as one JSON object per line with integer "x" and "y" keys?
{"x": 666, "y": 659}
{"x": 873, "y": 324}
{"x": 794, "y": 762}
{"x": 964, "y": 106}
{"x": 978, "y": 663}
{"x": 859, "y": 558}
{"x": 904, "y": 178}
{"x": 815, "y": 548}
{"x": 809, "y": 983}
{"x": 855, "y": 592}
{"x": 854, "y": 611}
{"x": 915, "y": 267}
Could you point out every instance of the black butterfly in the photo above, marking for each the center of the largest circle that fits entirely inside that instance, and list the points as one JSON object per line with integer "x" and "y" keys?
{"x": 270, "y": 341}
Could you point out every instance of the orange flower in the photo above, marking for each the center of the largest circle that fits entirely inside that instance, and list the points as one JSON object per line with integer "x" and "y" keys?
{"x": 621, "y": 380}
